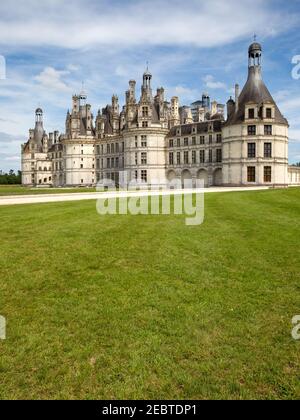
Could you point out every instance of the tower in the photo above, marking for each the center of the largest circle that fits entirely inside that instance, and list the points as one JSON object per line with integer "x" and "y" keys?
{"x": 255, "y": 135}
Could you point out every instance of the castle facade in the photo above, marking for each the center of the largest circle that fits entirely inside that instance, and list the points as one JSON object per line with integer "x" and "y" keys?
{"x": 153, "y": 140}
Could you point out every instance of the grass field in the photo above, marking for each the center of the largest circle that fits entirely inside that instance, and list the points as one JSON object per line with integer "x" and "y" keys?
{"x": 145, "y": 307}
{"x": 20, "y": 190}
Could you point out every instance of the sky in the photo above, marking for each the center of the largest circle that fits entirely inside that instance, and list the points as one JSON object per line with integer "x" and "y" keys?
{"x": 49, "y": 48}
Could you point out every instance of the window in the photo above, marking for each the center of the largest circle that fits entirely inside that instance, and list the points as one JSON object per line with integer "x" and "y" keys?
{"x": 219, "y": 155}
{"x": 98, "y": 164}
{"x": 269, "y": 113}
{"x": 267, "y": 174}
{"x": 82, "y": 152}
{"x": 186, "y": 141}
{"x": 202, "y": 139}
{"x": 136, "y": 142}
{"x": 112, "y": 149}
{"x": 186, "y": 158}
{"x": 202, "y": 156}
{"x": 144, "y": 158}
{"x": 171, "y": 143}
{"x": 117, "y": 148}
{"x": 136, "y": 159}
{"x": 194, "y": 141}
{"x": 144, "y": 176}
{"x": 219, "y": 138}
{"x": 81, "y": 166}
{"x": 136, "y": 175}
{"x": 210, "y": 156}
{"x": 145, "y": 124}
{"x": 251, "y": 130}
{"x": 145, "y": 112}
{"x": 108, "y": 149}
{"x": 108, "y": 162}
{"x": 210, "y": 139}
{"x": 268, "y": 150}
{"x": 171, "y": 159}
{"x": 251, "y": 174}
{"x": 178, "y": 142}
{"x": 268, "y": 130}
{"x": 112, "y": 162}
{"x": 117, "y": 162}
{"x": 251, "y": 150}
{"x": 178, "y": 158}
{"x": 193, "y": 157}
{"x": 144, "y": 141}
{"x": 251, "y": 113}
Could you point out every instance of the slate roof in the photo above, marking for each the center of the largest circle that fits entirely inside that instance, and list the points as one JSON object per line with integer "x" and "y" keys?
{"x": 254, "y": 91}
{"x": 202, "y": 128}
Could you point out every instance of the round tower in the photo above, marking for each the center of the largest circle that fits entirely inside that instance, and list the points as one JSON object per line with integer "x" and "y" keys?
{"x": 255, "y": 135}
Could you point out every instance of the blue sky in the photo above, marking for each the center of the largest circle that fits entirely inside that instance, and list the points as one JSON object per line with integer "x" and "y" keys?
{"x": 50, "y": 47}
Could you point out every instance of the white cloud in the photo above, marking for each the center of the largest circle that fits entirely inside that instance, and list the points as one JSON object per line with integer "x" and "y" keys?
{"x": 9, "y": 138}
{"x": 85, "y": 23}
{"x": 184, "y": 93}
{"x": 12, "y": 158}
{"x": 52, "y": 79}
{"x": 211, "y": 83}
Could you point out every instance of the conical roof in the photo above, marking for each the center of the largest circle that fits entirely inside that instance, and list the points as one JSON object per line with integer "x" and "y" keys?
{"x": 254, "y": 91}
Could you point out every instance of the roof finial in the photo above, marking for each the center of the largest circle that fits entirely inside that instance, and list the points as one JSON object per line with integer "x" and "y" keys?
{"x": 255, "y": 37}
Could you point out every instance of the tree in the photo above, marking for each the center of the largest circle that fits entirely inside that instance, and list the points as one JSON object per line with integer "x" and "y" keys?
{"x": 10, "y": 178}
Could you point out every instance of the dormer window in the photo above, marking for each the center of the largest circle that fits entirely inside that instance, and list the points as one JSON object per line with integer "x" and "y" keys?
{"x": 251, "y": 113}
{"x": 269, "y": 113}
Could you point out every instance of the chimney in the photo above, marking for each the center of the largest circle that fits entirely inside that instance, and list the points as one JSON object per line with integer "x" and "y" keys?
{"x": 230, "y": 107}
{"x": 237, "y": 94}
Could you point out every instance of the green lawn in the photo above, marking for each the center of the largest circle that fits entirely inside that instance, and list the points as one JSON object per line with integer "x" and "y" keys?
{"x": 146, "y": 307}
{"x": 20, "y": 190}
